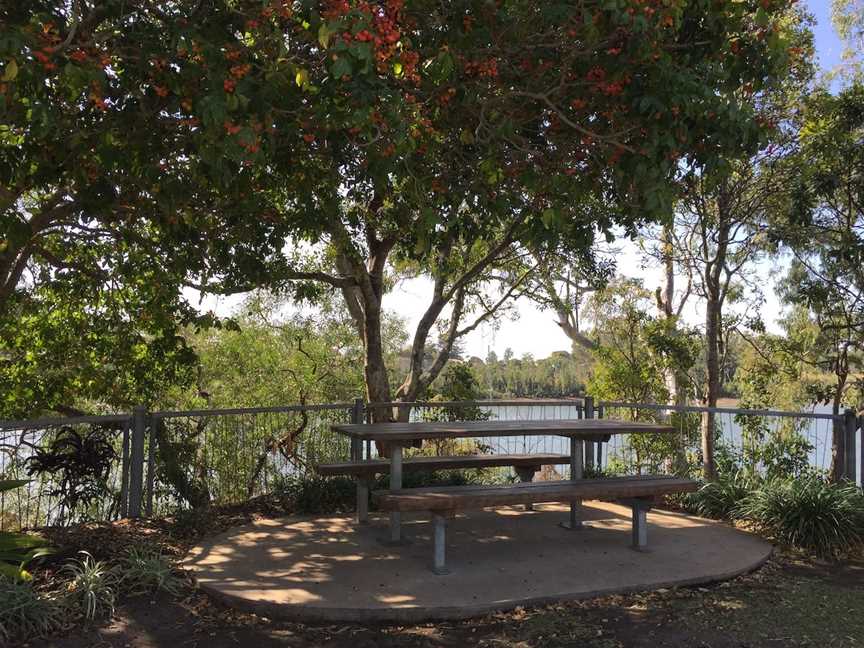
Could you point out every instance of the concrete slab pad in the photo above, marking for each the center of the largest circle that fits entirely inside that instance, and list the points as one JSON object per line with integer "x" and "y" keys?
{"x": 329, "y": 569}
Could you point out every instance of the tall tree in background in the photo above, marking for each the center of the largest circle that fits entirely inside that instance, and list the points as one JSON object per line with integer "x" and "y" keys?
{"x": 825, "y": 234}
{"x": 721, "y": 219}
{"x": 636, "y": 352}
{"x": 658, "y": 243}
{"x": 561, "y": 284}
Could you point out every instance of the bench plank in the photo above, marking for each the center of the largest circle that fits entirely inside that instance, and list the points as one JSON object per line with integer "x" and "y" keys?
{"x": 449, "y": 498}
{"x": 382, "y": 466}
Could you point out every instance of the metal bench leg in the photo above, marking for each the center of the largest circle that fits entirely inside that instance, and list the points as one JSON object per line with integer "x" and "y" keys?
{"x": 439, "y": 528}
{"x": 640, "y": 525}
{"x": 362, "y": 500}
{"x": 575, "y": 521}
{"x": 526, "y": 474}
{"x": 395, "y": 484}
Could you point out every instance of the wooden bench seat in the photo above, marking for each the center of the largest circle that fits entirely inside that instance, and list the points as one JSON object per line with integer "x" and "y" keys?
{"x": 445, "y": 501}
{"x": 525, "y": 464}
{"x": 382, "y": 466}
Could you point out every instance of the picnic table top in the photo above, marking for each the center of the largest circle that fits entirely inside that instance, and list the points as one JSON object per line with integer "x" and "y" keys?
{"x": 591, "y": 429}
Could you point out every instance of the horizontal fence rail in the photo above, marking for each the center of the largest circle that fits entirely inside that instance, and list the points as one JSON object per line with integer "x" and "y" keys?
{"x": 717, "y": 410}
{"x": 154, "y": 463}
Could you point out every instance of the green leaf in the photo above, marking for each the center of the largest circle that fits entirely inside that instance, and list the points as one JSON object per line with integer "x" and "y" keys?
{"x": 324, "y": 35}
{"x": 10, "y": 72}
{"x": 302, "y": 78}
{"x": 9, "y": 484}
{"x": 341, "y": 67}
{"x": 14, "y": 572}
{"x": 14, "y": 542}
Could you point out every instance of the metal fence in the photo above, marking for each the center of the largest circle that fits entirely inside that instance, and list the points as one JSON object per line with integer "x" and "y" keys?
{"x": 145, "y": 463}
{"x": 29, "y": 450}
{"x": 236, "y": 454}
{"x": 752, "y": 439}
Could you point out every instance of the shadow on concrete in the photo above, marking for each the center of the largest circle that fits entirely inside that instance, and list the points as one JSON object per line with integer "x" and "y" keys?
{"x": 332, "y": 569}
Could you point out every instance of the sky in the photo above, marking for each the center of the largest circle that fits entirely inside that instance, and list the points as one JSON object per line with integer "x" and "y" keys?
{"x": 534, "y": 331}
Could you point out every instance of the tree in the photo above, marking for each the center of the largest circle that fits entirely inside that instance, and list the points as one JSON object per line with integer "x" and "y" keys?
{"x": 721, "y": 220}
{"x": 329, "y": 145}
{"x": 270, "y": 359}
{"x": 658, "y": 244}
{"x": 824, "y": 231}
{"x": 634, "y": 353}
{"x": 91, "y": 308}
{"x": 72, "y": 346}
{"x": 561, "y": 283}
{"x": 848, "y": 19}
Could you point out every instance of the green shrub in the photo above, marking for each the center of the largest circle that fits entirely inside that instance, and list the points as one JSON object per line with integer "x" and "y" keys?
{"x": 316, "y": 495}
{"x": 811, "y": 514}
{"x": 92, "y": 589}
{"x": 24, "y": 613}
{"x": 423, "y": 478}
{"x": 145, "y": 571}
{"x": 719, "y": 499}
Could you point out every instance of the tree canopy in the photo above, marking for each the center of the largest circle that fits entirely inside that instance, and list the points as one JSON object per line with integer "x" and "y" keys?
{"x": 302, "y": 145}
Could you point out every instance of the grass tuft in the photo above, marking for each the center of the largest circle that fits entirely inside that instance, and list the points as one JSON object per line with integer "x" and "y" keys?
{"x": 25, "y": 614}
{"x": 146, "y": 571}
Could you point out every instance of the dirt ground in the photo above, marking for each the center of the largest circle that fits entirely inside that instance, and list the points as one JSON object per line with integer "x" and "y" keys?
{"x": 791, "y": 601}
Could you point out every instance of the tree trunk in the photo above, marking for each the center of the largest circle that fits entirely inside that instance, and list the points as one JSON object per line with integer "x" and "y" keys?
{"x": 838, "y": 437}
{"x": 712, "y": 391}
{"x": 675, "y": 381}
{"x": 375, "y": 370}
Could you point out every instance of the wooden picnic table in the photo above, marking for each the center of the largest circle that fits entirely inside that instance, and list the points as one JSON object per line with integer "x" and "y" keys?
{"x": 398, "y": 435}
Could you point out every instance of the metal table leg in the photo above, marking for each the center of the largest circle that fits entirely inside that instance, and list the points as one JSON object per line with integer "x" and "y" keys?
{"x": 362, "y": 509}
{"x": 576, "y": 448}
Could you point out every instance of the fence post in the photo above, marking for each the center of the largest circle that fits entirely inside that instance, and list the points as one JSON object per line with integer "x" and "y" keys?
{"x": 589, "y": 445}
{"x": 124, "y": 471}
{"x": 357, "y": 419}
{"x": 600, "y": 414}
{"x": 357, "y": 410}
{"x": 151, "y": 467}
{"x": 136, "y": 461}
{"x": 861, "y": 448}
{"x": 850, "y": 427}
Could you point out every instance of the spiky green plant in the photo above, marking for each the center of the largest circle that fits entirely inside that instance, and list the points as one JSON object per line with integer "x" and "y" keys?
{"x": 811, "y": 514}
{"x": 145, "y": 571}
{"x": 719, "y": 499}
{"x": 92, "y": 588}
